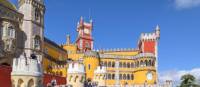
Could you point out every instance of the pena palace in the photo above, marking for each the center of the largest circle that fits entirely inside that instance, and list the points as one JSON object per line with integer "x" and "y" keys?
{"x": 29, "y": 59}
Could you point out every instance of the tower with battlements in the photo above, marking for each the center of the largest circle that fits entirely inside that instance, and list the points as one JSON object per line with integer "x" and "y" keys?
{"x": 27, "y": 69}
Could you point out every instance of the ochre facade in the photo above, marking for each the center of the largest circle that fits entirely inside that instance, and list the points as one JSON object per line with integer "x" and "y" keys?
{"x": 136, "y": 66}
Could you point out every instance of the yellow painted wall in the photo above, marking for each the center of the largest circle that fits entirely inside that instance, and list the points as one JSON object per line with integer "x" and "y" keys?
{"x": 129, "y": 53}
{"x": 94, "y": 63}
{"x": 55, "y": 52}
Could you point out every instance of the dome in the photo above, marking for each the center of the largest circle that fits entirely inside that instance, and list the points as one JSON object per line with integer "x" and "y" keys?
{"x": 92, "y": 54}
{"x": 7, "y": 4}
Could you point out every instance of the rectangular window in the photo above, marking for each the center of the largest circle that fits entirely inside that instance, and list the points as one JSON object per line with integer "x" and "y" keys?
{"x": 4, "y": 32}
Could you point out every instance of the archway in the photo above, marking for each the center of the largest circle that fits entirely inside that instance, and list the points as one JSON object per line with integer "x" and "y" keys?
{"x": 13, "y": 83}
{"x": 20, "y": 83}
{"x": 30, "y": 83}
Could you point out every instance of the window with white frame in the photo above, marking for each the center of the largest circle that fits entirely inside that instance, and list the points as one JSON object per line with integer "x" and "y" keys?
{"x": 37, "y": 42}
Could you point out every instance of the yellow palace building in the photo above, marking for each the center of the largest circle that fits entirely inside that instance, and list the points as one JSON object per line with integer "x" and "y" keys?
{"x": 80, "y": 63}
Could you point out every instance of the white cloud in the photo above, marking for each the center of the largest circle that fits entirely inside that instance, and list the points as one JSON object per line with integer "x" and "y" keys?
{"x": 180, "y": 4}
{"x": 175, "y": 75}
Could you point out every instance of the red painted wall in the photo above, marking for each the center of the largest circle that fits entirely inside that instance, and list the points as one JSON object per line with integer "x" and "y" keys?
{"x": 5, "y": 76}
{"x": 149, "y": 47}
{"x": 60, "y": 80}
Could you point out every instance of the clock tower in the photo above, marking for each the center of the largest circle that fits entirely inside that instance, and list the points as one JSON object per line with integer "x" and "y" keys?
{"x": 84, "y": 40}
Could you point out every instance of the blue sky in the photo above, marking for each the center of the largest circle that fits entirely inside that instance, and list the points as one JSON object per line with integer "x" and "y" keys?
{"x": 119, "y": 23}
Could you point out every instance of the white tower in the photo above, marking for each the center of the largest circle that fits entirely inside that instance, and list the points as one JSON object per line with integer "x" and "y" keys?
{"x": 76, "y": 74}
{"x": 27, "y": 70}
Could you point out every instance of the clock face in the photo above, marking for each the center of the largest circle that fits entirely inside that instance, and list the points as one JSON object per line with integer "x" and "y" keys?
{"x": 86, "y": 31}
{"x": 149, "y": 76}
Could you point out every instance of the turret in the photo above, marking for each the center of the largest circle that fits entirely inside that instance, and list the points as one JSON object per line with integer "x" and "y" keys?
{"x": 75, "y": 74}
{"x": 27, "y": 70}
{"x": 68, "y": 41}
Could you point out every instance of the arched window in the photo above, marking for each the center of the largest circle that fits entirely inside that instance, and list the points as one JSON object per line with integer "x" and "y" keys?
{"x": 124, "y": 76}
{"x": 61, "y": 73}
{"x": 113, "y": 64}
{"x": 128, "y": 65}
{"x": 128, "y": 77}
{"x": 57, "y": 73}
{"x": 124, "y": 65}
{"x": 37, "y": 14}
{"x": 132, "y": 77}
{"x": 120, "y": 64}
{"x": 153, "y": 63}
{"x": 113, "y": 76}
{"x": 105, "y": 63}
{"x": 70, "y": 78}
{"x": 37, "y": 42}
{"x": 76, "y": 79}
{"x": 138, "y": 63}
{"x": 109, "y": 76}
{"x": 149, "y": 63}
{"x": 146, "y": 63}
{"x": 82, "y": 79}
{"x": 132, "y": 65}
{"x": 87, "y": 45}
{"x": 30, "y": 83}
{"x": 89, "y": 66}
{"x": 120, "y": 76}
{"x": 141, "y": 63}
{"x": 109, "y": 64}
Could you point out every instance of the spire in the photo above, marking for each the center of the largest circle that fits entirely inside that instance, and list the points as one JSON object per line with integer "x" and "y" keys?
{"x": 157, "y": 27}
{"x": 81, "y": 20}
{"x": 157, "y": 31}
{"x": 68, "y": 40}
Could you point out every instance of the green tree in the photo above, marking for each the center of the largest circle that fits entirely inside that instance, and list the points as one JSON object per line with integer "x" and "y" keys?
{"x": 188, "y": 80}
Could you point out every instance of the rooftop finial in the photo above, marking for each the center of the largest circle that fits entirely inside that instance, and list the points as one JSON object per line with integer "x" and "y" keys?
{"x": 68, "y": 40}
{"x": 157, "y": 27}
{"x": 158, "y": 31}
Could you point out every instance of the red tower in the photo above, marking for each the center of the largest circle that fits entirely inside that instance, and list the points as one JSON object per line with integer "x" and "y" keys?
{"x": 84, "y": 40}
{"x": 148, "y": 41}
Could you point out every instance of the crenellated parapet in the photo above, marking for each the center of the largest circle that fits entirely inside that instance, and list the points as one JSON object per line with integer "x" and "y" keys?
{"x": 92, "y": 54}
{"x": 151, "y": 36}
{"x": 59, "y": 66}
{"x": 26, "y": 66}
{"x": 116, "y": 50}
{"x": 75, "y": 67}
